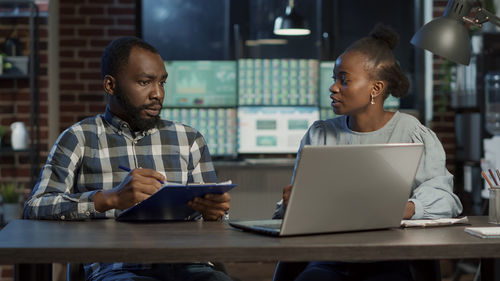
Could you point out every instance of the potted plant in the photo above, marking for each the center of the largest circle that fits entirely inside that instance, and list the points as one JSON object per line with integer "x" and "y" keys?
{"x": 3, "y": 131}
{"x": 11, "y": 198}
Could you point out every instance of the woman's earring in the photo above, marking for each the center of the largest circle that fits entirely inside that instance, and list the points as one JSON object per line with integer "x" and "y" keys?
{"x": 372, "y": 100}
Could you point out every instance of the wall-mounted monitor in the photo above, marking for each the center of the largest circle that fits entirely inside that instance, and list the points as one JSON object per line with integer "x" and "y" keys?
{"x": 276, "y": 129}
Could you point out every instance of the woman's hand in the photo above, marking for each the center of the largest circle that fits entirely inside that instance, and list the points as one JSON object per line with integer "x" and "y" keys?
{"x": 286, "y": 194}
{"x": 409, "y": 211}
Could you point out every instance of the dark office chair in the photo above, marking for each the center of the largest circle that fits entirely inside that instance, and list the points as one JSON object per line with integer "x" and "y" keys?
{"x": 421, "y": 270}
{"x": 75, "y": 272}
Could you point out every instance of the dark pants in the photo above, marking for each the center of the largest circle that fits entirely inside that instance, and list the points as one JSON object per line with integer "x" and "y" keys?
{"x": 166, "y": 272}
{"x": 370, "y": 271}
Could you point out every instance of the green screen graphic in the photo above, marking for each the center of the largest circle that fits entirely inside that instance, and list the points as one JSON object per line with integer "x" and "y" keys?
{"x": 200, "y": 84}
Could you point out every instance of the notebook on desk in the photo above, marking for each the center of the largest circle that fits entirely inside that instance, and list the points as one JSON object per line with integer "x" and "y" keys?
{"x": 346, "y": 188}
{"x": 170, "y": 202}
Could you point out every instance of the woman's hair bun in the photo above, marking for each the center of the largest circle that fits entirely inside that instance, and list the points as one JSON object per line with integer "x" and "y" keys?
{"x": 386, "y": 34}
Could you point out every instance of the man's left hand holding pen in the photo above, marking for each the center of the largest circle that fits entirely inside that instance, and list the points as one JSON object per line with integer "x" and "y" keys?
{"x": 137, "y": 186}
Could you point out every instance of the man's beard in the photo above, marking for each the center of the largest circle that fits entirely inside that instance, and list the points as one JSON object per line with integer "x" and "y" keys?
{"x": 134, "y": 113}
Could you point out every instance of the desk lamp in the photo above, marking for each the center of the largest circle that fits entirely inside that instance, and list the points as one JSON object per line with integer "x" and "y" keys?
{"x": 448, "y": 36}
{"x": 290, "y": 24}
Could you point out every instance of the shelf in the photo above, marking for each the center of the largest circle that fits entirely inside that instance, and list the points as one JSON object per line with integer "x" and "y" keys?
{"x": 7, "y": 76}
{"x": 26, "y": 9}
{"x": 8, "y": 150}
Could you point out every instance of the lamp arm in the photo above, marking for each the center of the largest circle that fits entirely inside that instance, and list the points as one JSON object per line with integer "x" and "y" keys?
{"x": 482, "y": 16}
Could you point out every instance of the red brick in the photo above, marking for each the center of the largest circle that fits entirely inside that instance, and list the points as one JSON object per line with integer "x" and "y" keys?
{"x": 91, "y": 97}
{"x": 100, "y": 43}
{"x": 71, "y": 64}
{"x": 66, "y": 54}
{"x": 7, "y": 109}
{"x": 121, "y": 11}
{"x": 6, "y": 84}
{"x": 15, "y": 172}
{"x": 95, "y": 65}
{"x": 43, "y": 58}
{"x": 43, "y": 33}
{"x": 65, "y": 32}
{"x": 67, "y": 10}
{"x": 96, "y": 86}
{"x": 94, "y": 76}
{"x": 72, "y": 43}
{"x": 97, "y": 108}
{"x": 72, "y": 108}
{"x": 89, "y": 54}
{"x": 67, "y": 98}
{"x": 100, "y": 2}
{"x": 23, "y": 108}
{"x": 44, "y": 109}
{"x": 121, "y": 32}
{"x": 71, "y": 20}
{"x": 101, "y": 21}
{"x": 72, "y": 87}
{"x": 90, "y": 32}
{"x": 122, "y": 22}
{"x": 6, "y": 160}
{"x": 67, "y": 76}
{"x": 91, "y": 11}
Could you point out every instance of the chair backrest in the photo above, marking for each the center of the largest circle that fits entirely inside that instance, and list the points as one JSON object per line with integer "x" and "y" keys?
{"x": 75, "y": 272}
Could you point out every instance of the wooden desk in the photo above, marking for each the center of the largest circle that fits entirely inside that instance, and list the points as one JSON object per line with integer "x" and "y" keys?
{"x": 31, "y": 241}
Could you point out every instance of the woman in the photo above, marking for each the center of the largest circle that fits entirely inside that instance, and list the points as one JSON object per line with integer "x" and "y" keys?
{"x": 364, "y": 76}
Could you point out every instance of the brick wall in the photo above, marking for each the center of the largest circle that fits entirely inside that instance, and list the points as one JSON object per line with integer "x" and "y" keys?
{"x": 85, "y": 29}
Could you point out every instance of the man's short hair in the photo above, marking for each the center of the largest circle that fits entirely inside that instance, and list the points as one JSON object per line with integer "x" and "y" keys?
{"x": 116, "y": 54}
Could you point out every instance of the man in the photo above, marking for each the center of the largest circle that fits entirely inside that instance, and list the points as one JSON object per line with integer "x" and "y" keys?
{"x": 82, "y": 178}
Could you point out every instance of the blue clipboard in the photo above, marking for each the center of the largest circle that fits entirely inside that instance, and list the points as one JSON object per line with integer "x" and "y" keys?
{"x": 170, "y": 202}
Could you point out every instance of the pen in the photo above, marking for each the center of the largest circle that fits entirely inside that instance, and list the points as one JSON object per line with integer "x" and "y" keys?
{"x": 128, "y": 170}
{"x": 485, "y": 177}
{"x": 493, "y": 176}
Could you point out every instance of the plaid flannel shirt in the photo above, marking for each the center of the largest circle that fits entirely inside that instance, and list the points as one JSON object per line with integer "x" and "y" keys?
{"x": 86, "y": 156}
{"x": 85, "y": 159}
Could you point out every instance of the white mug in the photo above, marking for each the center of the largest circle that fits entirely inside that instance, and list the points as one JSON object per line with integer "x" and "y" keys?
{"x": 19, "y": 136}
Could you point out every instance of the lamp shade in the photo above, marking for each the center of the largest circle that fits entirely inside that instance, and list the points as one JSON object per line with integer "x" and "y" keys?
{"x": 291, "y": 24}
{"x": 447, "y": 36}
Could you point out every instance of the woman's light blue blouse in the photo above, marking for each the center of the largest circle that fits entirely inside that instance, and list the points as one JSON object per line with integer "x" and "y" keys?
{"x": 432, "y": 190}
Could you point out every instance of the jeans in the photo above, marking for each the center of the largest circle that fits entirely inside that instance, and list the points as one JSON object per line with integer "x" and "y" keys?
{"x": 165, "y": 272}
{"x": 345, "y": 271}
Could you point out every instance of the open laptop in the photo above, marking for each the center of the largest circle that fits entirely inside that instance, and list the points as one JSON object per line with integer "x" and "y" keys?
{"x": 346, "y": 188}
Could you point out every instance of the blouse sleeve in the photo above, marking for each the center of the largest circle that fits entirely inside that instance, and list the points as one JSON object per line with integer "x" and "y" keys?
{"x": 432, "y": 191}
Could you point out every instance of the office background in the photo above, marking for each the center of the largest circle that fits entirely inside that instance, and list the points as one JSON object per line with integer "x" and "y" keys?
{"x": 72, "y": 36}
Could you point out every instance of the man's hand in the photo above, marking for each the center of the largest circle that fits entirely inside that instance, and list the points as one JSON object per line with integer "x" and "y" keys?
{"x": 409, "y": 210}
{"x": 137, "y": 186}
{"x": 211, "y": 206}
{"x": 286, "y": 194}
